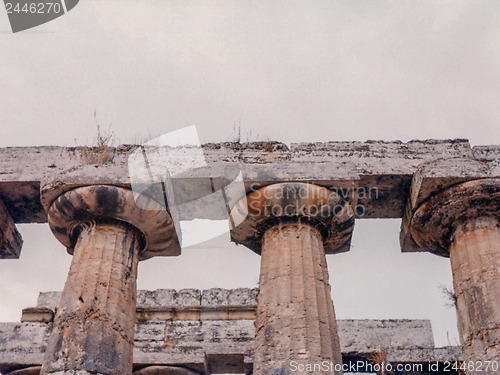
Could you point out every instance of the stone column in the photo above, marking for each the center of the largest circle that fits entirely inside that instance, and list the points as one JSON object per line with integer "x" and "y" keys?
{"x": 291, "y": 225}
{"x": 108, "y": 234}
{"x": 462, "y": 222}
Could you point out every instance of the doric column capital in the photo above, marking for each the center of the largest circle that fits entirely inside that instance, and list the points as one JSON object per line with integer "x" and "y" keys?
{"x": 293, "y": 202}
{"x": 442, "y": 194}
{"x": 74, "y": 209}
{"x": 435, "y": 221}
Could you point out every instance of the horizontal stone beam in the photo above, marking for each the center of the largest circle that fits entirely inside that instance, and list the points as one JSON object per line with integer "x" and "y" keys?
{"x": 170, "y": 298}
{"x": 385, "y": 166}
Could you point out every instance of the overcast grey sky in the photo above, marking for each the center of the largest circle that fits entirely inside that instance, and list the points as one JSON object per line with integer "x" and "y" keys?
{"x": 286, "y": 70}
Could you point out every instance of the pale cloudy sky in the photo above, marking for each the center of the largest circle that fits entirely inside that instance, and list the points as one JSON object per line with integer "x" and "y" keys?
{"x": 291, "y": 71}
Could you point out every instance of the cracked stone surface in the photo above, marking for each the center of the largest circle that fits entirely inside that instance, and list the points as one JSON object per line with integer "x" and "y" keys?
{"x": 475, "y": 263}
{"x": 462, "y": 222}
{"x": 295, "y": 315}
{"x": 94, "y": 326}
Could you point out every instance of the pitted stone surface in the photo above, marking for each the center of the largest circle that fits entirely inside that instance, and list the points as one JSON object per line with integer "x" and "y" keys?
{"x": 435, "y": 220}
{"x": 184, "y": 343}
{"x": 437, "y": 175}
{"x": 215, "y": 297}
{"x": 490, "y": 153}
{"x": 229, "y": 297}
{"x": 176, "y": 298}
{"x": 371, "y": 335}
{"x": 475, "y": 264}
{"x": 27, "y": 337}
{"x": 94, "y": 325}
{"x": 168, "y": 297}
{"x": 315, "y": 206}
{"x": 242, "y": 296}
{"x": 461, "y": 220}
{"x": 387, "y": 165}
{"x": 49, "y": 300}
{"x": 91, "y": 204}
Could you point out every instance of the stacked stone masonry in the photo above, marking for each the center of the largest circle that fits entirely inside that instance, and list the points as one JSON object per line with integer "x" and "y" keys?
{"x": 219, "y": 340}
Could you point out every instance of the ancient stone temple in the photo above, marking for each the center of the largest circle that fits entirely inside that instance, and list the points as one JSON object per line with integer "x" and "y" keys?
{"x": 299, "y": 203}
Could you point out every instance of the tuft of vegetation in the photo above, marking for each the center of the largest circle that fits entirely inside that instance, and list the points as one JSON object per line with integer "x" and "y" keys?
{"x": 142, "y": 317}
{"x": 101, "y": 152}
{"x": 379, "y": 358}
{"x": 237, "y": 132}
{"x": 449, "y": 295}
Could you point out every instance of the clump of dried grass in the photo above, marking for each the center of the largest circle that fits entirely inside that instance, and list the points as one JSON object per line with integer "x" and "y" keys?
{"x": 449, "y": 295}
{"x": 100, "y": 152}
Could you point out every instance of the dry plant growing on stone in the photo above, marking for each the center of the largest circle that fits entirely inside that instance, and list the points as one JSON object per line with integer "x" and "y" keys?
{"x": 100, "y": 152}
{"x": 449, "y": 294}
{"x": 379, "y": 358}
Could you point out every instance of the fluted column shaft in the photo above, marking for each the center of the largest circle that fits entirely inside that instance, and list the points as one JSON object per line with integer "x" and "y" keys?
{"x": 462, "y": 222}
{"x": 295, "y": 314}
{"x": 292, "y": 226}
{"x": 94, "y": 326}
{"x": 475, "y": 262}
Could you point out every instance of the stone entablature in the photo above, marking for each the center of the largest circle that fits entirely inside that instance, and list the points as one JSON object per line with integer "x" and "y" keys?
{"x": 386, "y": 165}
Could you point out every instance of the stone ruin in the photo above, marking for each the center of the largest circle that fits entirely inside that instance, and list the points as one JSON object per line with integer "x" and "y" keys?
{"x": 212, "y": 332}
{"x": 447, "y": 194}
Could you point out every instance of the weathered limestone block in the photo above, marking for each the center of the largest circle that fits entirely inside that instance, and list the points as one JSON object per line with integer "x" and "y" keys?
{"x": 168, "y": 297}
{"x": 227, "y": 346}
{"x": 170, "y": 304}
{"x": 360, "y": 336}
{"x": 229, "y": 297}
{"x": 188, "y": 343}
{"x": 461, "y": 221}
{"x": 49, "y": 300}
{"x": 45, "y": 315}
{"x": 24, "y": 338}
{"x": 425, "y": 355}
{"x": 291, "y": 225}
{"x": 388, "y": 166}
{"x": 10, "y": 239}
{"x": 490, "y": 153}
{"x": 382, "y": 156}
{"x": 108, "y": 234}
